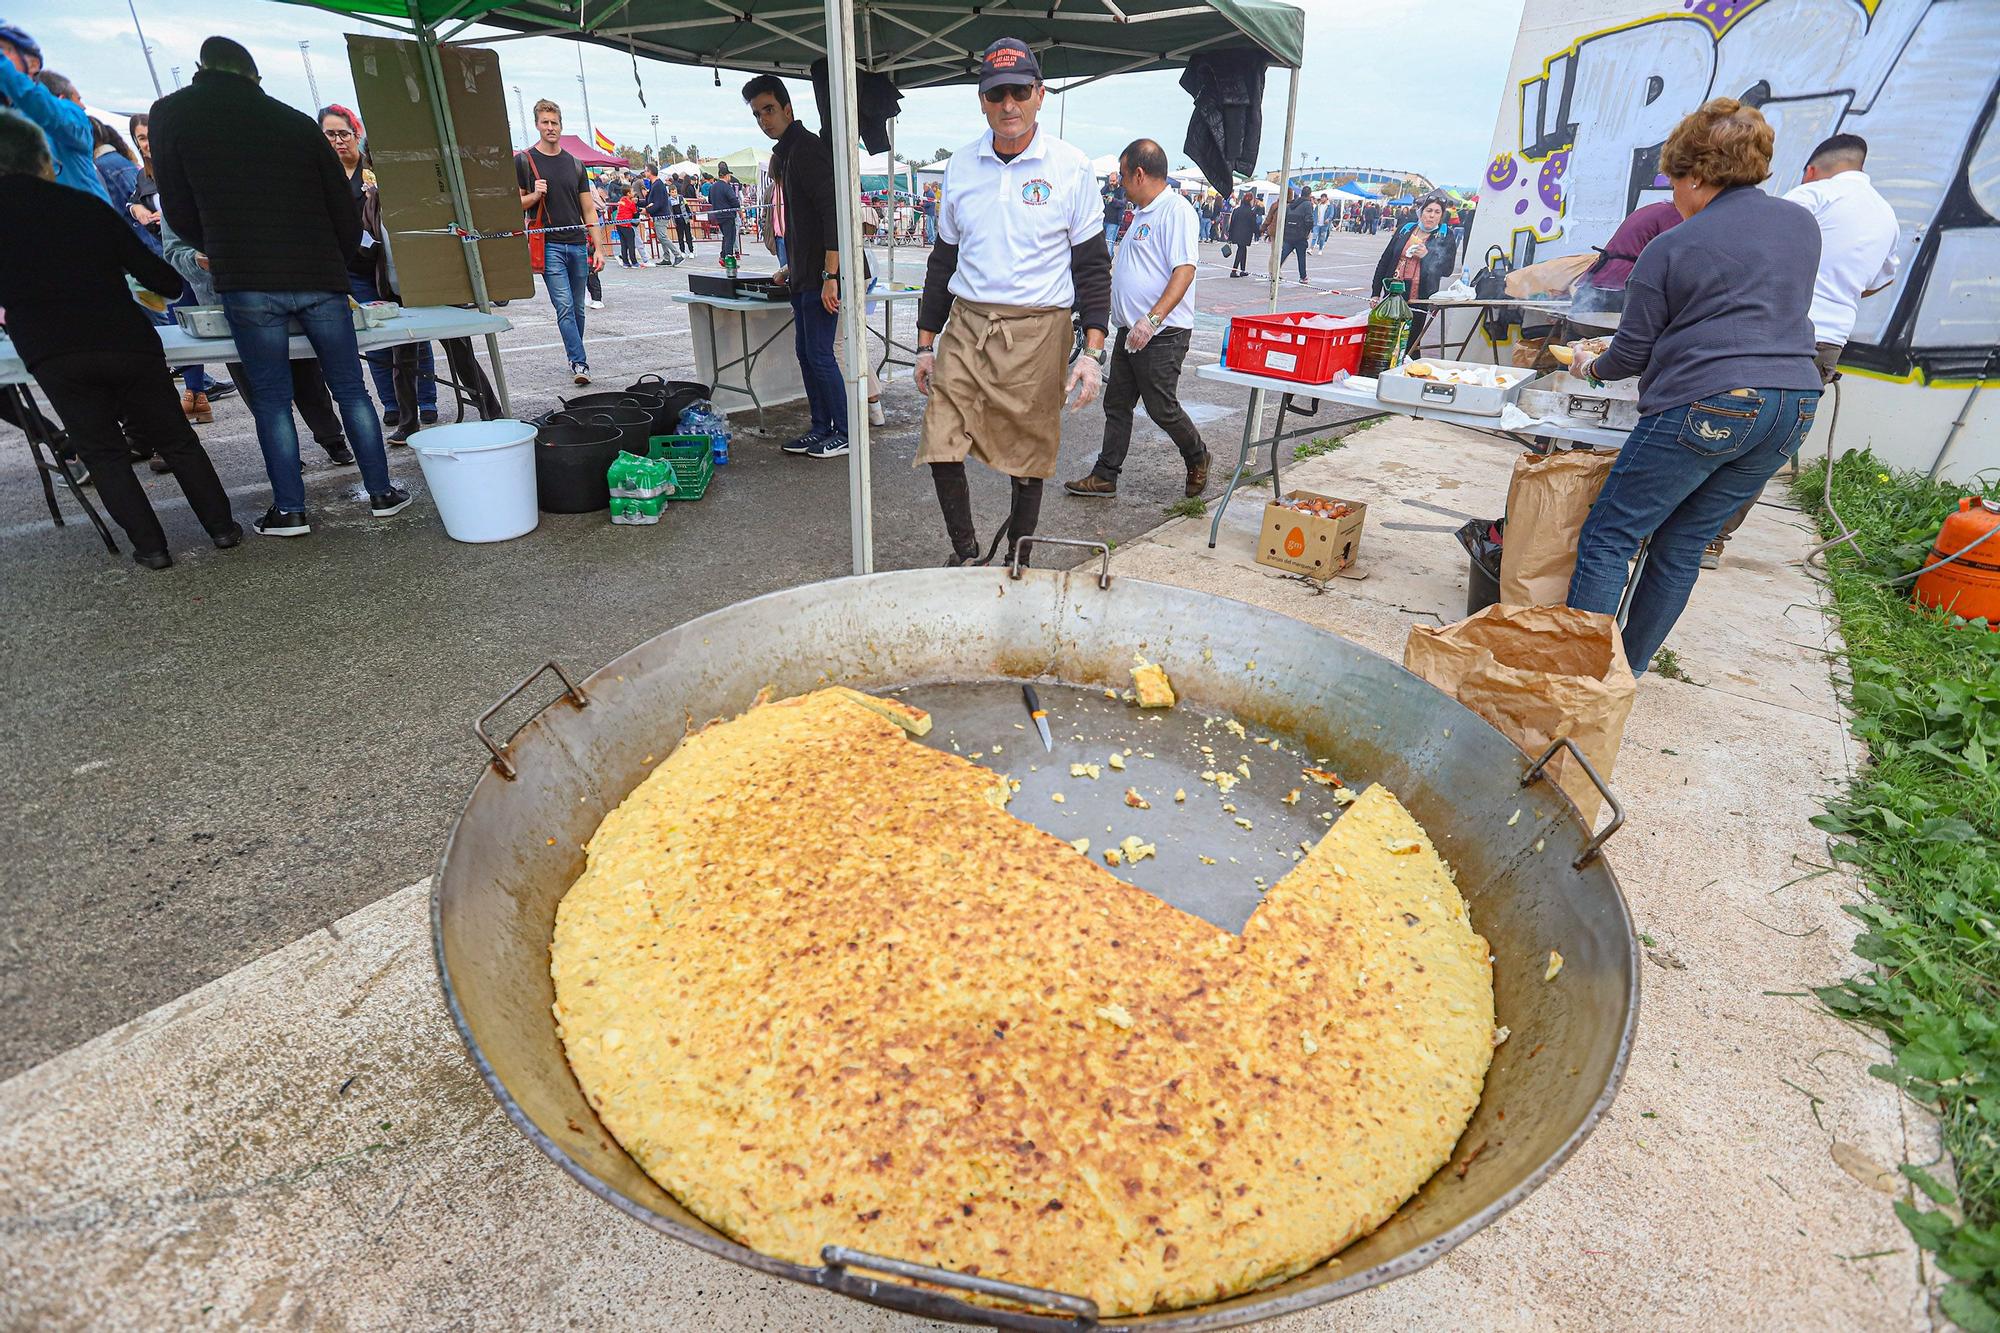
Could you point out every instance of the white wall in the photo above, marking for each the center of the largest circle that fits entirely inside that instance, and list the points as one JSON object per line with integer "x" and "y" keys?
{"x": 1595, "y": 86}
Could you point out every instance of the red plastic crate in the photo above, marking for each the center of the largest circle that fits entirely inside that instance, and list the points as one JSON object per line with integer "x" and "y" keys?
{"x": 1276, "y": 346}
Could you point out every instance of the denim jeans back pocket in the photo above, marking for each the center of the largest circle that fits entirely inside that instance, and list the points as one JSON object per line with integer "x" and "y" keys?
{"x": 1808, "y": 409}
{"x": 1721, "y": 425}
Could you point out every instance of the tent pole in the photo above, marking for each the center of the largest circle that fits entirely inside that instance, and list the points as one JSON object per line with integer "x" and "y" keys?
{"x": 1284, "y": 190}
{"x": 461, "y": 198}
{"x": 844, "y": 138}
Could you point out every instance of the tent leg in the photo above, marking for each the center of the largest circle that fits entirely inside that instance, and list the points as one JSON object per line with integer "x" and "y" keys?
{"x": 843, "y": 135}
{"x": 461, "y": 198}
{"x": 1284, "y": 189}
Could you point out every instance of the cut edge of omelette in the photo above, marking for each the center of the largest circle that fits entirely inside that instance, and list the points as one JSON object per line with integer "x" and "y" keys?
{"x": 1375, "y": 859}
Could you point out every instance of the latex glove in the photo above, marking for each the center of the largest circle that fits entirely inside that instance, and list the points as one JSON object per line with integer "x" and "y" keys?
{"x": 1583, "y": 367}
{"x": 925, "y": 368}
{"x": 780, "y": 276}
{"x": 1138, "y": 336}
{"x": 1088, "y": 374}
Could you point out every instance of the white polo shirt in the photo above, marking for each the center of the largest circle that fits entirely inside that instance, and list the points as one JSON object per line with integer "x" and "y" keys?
{"x": 1857, "y": 248}
{"x": 1014, "y": 223}
{"x": 1164, "y": 235}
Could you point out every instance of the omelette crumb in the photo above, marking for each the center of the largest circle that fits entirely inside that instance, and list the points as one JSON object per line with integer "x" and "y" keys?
{"x": 1127, "y": 752}
{"x": 1208, "y": 749}
{"x": 1112, "y": 856}
{"x": 1322, "y": 777}
{"x": 1305, "y": 1040}
{"x": 647, "y": 760}
{"x": 1082, "y": 846}
{"x": 1117, "y": 761}
{"x": 1224, "y": 781}
{"x": 1501, "y": 1034}
{"x": 1152, "y": 687}
{"x": 1244, "y": 769}
{"x": 1305, "y": 846}
{"x": 1228, "y": 809}
{"x": 1242, "y": 822}
{"x": 1403, "y": 846}
{"x": 1555, "y": 966}
{"x": 1291, "y": 797}
{"x": 1111, "y": 694}
{"x": 1115, "y": 1015}
{"x": 996, "y": 749}
{"x": 552, "y": 842}
{"x": 1208, "y": 655}
{"x": 1084, "y": 770}
{"x": 1137, "y": 851}
{"x": 1326, "y": 815}
{"x": 1340, "y": 870}
{"x": 1514, "y": 819}
{"x": 1135, "y": 800}
{"x": 1056, "y": 796}
{"x": 1447, "y": 733}
{"x": 1249, "y": 666}
{"x": 1019, "y": 727}
{"x": 1236, "y": 728}
{"x": 1180, "y": 793}
{"x": 1344, "y": 796}
{"x": 977, "y": 754}
{"x": 1541, "y": 843}
{"x": 1013, "y": 784}
{"x": 1206, "y": 860}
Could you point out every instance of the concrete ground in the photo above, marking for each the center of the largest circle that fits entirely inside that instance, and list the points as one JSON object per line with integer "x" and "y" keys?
{"x": 303, "y": 1142}
{"x": 205, "y": 764}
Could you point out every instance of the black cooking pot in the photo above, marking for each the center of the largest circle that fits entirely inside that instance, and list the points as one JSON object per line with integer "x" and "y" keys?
{"x": 633, "y": 424}
{"x": 571, "y": 458}
{"x": 680, "y": 395}
{"x": 651, "y": 399}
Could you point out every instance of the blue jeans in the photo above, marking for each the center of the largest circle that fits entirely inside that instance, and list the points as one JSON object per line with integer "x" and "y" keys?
{"x": 364, "y": 290}
{"x": 258, "y": 321}
{"x": 566, "y": 273}
{"x": 812, "y": 335}
{"x": 1208, "y": 229}
{"x": 1680, "y": 476}
{"x": 1111, "y": 236}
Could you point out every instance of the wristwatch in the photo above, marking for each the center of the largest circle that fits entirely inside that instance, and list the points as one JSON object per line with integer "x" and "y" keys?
{"x": 824, "y": 276}
{"x": 1097, "y": 354}
{"x": 1155, "y": 321}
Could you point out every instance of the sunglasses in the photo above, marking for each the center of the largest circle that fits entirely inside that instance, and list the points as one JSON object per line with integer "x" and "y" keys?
{"x": 1020, "y": 92}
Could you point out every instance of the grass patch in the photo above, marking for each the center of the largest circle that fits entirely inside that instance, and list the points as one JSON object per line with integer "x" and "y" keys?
{"x": 1326, "y": 444}
{"x": 1667, "y": 662}
{"x": 1921, "y": 827}
{"x": 1192, "y": 507}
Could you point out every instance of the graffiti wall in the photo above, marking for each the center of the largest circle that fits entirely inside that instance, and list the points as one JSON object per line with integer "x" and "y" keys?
{"x": 1596, "y": 85}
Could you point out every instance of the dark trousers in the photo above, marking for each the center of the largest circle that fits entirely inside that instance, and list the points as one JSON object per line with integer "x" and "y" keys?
{"x": 309, "y": 396}
{"x": 684, "y": 232}
{"x": 812, "y": 336}
{"x": 381, "y": 368}
{"x": 1295, "y": 247}
{"x": 728, "y": 226}
{"x": 628, "y": 244}
{"x": 94, "y": 392}
{"x": 1151, "y": 375}
{"x": 1239, "y": 261}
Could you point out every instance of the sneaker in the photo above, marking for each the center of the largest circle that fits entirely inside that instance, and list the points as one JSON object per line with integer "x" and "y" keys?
{"x": 875, "y": 414}
{"x": 398, "y": 438}
{"x": 579, "y": 372}
{"x": 833, "y": 446}
{"x": 282, "y": 523}
{"x": 159, "y": 465}
{"x": 392, "y": 501}
{"x": 390, "y": 418}
{"x": 228, "y": 537}
{"x": 428, "y": 416}
{"x": 339, "y": 454}
{"x": 1093, "y": 486}
{"x": 152, "y": 559}
{"x": 804, "y": 443}
{"x": 1711, "y": 556}
{"x": 77, "y": 468}
{"x": 220, "y": 389}
{"x": 595, "y": 305}
{"x": 1197, "y": 476}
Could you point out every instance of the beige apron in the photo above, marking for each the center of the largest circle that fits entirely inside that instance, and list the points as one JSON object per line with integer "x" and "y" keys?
{"x": 997, "y": 394}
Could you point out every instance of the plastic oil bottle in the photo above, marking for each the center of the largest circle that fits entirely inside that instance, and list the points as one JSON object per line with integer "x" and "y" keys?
{"x": 1388, "y": 332}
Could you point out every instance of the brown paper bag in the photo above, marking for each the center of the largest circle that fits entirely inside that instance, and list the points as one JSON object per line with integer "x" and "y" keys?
{"x": 1547, "y": 500}
{"x": 1551, "y": 277}
{"x": 1537, "y": 673}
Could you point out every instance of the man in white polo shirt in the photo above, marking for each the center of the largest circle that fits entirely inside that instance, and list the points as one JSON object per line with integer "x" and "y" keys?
{"x": 1857, "y": 258}
{"x": 1152, "y": 282}
{"x": 1018, "y": 247}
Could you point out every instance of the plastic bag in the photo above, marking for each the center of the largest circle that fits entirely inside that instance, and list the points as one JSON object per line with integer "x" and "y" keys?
{"x": 702, "y": 419}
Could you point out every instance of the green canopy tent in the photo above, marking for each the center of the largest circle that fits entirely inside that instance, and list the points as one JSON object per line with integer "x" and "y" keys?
{"x": 917, "y": 43}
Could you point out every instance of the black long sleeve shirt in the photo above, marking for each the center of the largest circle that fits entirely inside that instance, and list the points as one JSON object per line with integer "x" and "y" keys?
{"x": 72, "y": 297}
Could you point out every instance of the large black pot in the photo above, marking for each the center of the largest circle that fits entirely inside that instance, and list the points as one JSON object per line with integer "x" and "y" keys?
{"x": 652, "y": 402}
{"x": 633, "y": 424}
{"x": 680, "y": 395}
{"x": 571, "y": 458}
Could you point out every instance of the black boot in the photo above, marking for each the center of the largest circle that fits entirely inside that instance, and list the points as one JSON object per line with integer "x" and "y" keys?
{"x": 956, "y": 501}
{"x": 1024, "y": 515}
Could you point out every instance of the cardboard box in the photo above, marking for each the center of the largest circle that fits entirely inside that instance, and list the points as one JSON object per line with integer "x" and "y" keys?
{"x": 1302, "y": 543}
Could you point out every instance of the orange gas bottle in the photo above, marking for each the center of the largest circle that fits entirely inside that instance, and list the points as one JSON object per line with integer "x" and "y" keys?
{"x": 1970, "y": 585}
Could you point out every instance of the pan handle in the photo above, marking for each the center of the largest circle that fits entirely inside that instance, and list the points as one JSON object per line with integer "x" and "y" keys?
{"x": 1595, "y": 847}
{"x": 1103, "y": 552}
{"x": 501, "y": 762}
{"x": 836, "y": 1276}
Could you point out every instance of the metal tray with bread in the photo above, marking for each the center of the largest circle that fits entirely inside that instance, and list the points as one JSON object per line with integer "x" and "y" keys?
{"x": 1561, "y": 396}
{"x": 1473, "y": 387}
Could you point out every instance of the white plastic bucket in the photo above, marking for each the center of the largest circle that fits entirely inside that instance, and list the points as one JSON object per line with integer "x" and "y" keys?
{"x": 482, "y": 476}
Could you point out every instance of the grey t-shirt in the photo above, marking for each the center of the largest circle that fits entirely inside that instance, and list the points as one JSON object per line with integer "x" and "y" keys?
{"x": 1720, "y": 302}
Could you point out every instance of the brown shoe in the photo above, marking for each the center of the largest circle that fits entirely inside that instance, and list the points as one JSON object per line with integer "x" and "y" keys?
{"x": 1093, "y": 485}
{"x": 197, "y": 409}
{"x": 1197, "y": 478}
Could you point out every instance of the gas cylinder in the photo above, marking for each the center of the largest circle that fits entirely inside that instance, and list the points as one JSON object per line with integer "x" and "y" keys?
{"x": 1970, "y": 585}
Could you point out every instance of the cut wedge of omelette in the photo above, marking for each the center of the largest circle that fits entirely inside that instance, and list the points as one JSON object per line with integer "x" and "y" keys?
{"x": 825, "y": 990}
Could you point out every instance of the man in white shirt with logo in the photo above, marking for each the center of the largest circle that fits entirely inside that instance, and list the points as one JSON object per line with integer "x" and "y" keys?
{"x": 1857, "y": 258}
{"x": 1152, "y": 282}
{"x": 1019, "y": 246}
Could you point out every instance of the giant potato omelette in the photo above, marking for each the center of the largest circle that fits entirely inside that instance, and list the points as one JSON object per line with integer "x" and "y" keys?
{"x": 825, "y": 990}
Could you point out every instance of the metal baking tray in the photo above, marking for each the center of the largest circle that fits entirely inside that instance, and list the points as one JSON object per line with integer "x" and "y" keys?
{"x": 1398, "y": 386}
{"x": 1562, "y": 396}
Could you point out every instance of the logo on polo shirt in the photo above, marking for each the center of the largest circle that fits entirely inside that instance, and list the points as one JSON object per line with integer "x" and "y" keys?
{"x": 1145, "y": 230}
{"x": 1037, "y": 192}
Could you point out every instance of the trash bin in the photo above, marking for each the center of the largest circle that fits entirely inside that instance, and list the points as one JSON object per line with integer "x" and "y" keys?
{"x": 482, "y": 476}
{"x": 1481, "y": 539}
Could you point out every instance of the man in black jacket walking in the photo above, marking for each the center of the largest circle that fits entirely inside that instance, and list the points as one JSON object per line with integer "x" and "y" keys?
{"x": 252, "y": 184}
{"x": 806, "y": 202}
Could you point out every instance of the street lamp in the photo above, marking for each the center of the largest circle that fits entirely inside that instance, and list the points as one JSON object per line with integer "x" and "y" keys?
{"x": 656, "y": 139}
{"x": 521, "y": 109}
{"x": 312, "y": 84}
{"x": 145, "y": 46}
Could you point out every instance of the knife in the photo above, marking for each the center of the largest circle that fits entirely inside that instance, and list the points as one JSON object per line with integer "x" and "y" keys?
{"x": 1034, "y": 703}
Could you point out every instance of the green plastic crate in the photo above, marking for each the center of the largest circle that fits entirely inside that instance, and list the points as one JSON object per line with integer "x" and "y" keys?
{"x": 693, "y": 460}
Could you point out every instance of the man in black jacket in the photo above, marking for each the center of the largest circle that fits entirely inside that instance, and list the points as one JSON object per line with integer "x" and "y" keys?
{"x": 89, "y": 344}
{"x": 806, "y": 201}
{"x": 1298, "y": 229}
{"x": 252, "y": 184}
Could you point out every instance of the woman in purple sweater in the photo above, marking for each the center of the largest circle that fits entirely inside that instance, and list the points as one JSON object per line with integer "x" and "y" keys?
{"x": 1716, "y": 329}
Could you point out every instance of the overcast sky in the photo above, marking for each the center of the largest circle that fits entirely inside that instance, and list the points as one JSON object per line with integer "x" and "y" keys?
{"x": 1405, "y": 84}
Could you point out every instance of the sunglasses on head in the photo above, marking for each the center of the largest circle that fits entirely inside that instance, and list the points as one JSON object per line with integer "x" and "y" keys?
{"x": 1020, "y": 92}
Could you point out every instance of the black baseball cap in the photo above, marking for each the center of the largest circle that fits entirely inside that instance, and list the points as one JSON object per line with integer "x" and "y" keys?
{"x": 1006, "y": 62}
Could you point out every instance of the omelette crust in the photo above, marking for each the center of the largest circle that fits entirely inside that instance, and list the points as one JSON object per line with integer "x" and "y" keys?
{"x": 824, "y": 990}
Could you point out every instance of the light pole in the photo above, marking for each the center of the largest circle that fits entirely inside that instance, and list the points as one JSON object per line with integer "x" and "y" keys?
{"x": 176, "y": 72}
{"x": 656, "y": 140}
{"x": 589, "y": 124}
{"x": 312, "y": 84}
{"x": 146, "y": 47}
{"x": 521, "y": 109}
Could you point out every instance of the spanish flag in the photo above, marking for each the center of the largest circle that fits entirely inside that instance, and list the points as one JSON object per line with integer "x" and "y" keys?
{"x": 604, "y": 145}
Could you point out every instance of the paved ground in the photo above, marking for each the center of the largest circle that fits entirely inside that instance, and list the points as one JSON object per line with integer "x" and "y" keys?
{"x": 302, "y": 1142}
{"x": 204, "y": 764}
